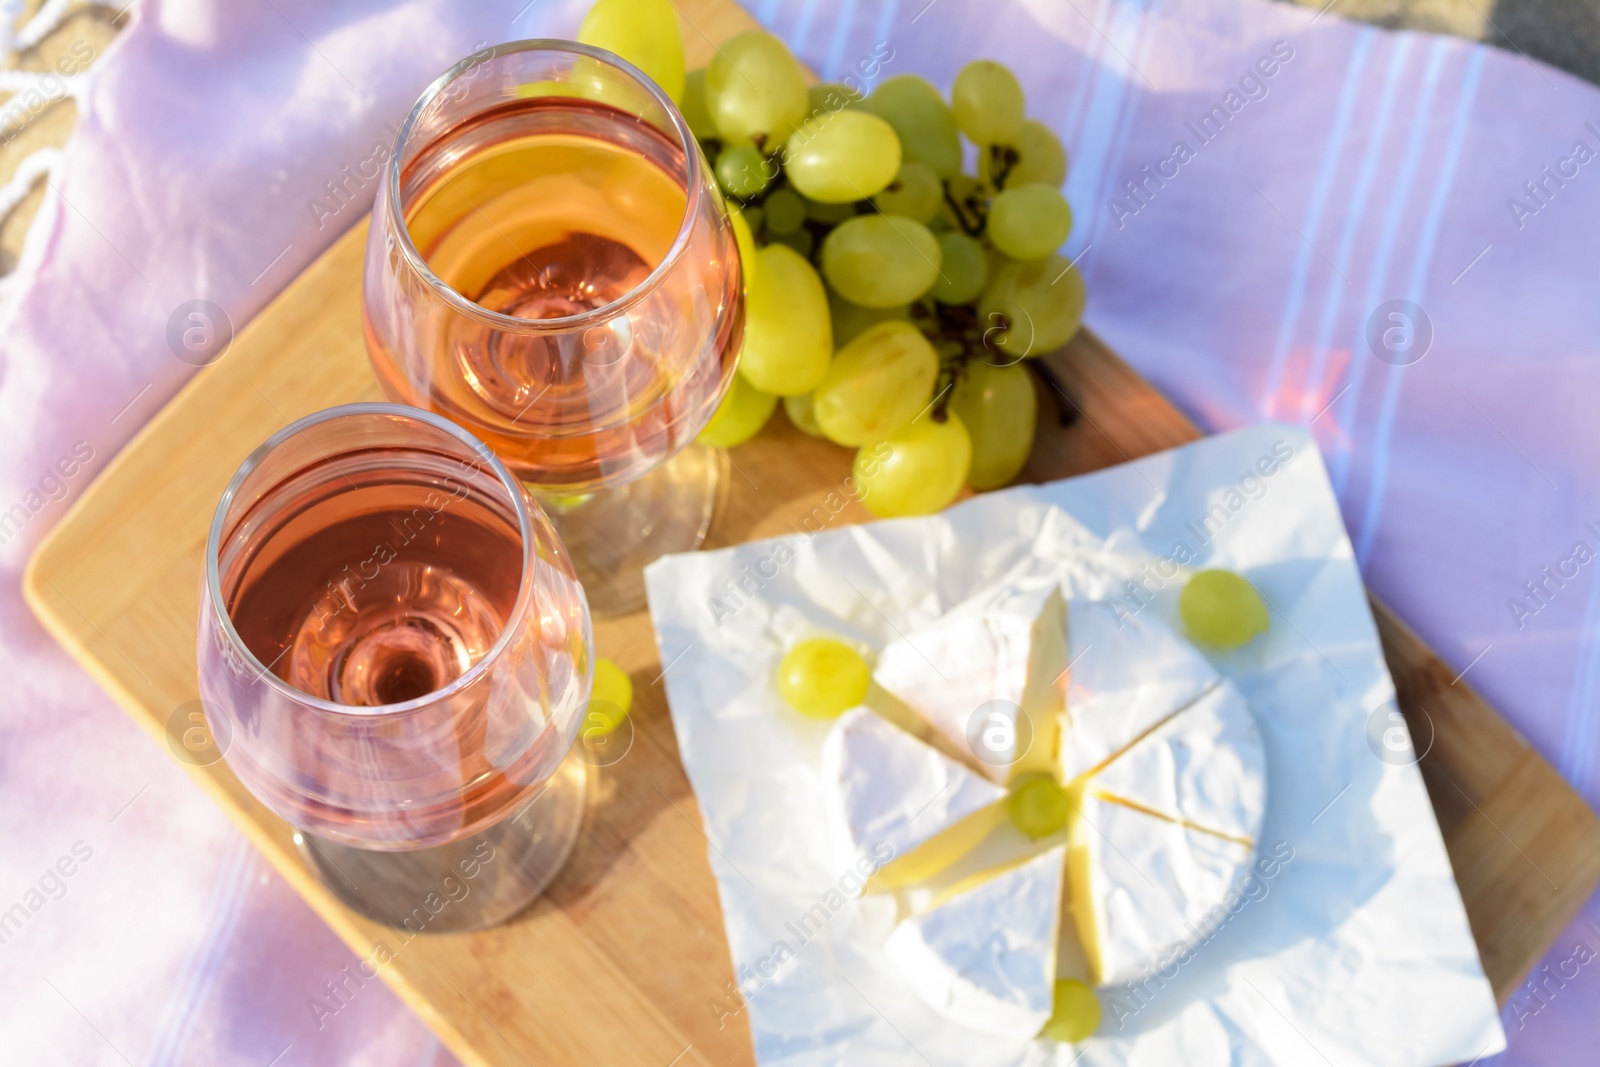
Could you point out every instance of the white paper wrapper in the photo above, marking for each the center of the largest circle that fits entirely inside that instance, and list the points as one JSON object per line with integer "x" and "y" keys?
{"x": 1354, "y": 951}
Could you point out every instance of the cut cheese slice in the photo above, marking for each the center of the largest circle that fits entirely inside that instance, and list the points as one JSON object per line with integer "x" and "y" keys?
{"x": 1204, "y": 767}
{"x": 1002, "y": 849}
{"x": 986, "y": 958}
{"x": 902, "y": 800}
{"x": 1129, "y": 673}
{"x": 989, "y": 675}
{"x": 1144, "y": 888}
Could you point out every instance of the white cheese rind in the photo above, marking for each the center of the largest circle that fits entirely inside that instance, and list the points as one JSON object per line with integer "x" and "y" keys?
{"x": 1147, "y": 720}
{"x": 1206, "y": 766}
{"x": 986, "y": 959}
{"x": 1128, "y": 673}
{"x": 891, "y": 789}
{"x": 1145, "y": 888}
{"x": 1008, "y": 645}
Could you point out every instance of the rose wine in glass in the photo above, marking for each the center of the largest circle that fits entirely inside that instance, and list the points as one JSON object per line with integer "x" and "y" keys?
{"x": 400, "y": 654}
{"x": 551, "y": 266}
{"x": 526, "y": 223}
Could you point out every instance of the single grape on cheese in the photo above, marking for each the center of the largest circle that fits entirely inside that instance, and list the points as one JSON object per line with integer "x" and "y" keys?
{"x": 1221, "y": 608}
{"x": 1039, "y": 807}
{"x": 823, "y": 677}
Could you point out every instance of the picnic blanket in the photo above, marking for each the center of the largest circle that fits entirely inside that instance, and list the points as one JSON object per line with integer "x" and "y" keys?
{"x": 1386, "y": 236}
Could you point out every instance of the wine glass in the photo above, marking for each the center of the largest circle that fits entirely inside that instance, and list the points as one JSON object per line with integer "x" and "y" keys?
{"x": 395, "y": 656}
{"x": 551, "y": 266}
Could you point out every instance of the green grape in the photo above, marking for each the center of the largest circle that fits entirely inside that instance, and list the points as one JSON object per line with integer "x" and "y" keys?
{"x": 881, "y": 260}
{"x": 1036, "y": 157}
{"x": 786, "y": 212}
{"x": 1028, "y": 221}
{"x": 1040, "y": 157}
{"x": 694, "y": 106}
{"x": 609, "y": 699}
{"x": 742, "y": 171}
{"x": 825, "y": 98}
{"x": 645, "y": 33}
{"x": 612, "y": 684}
{"x": 829, "y": 214}
{"x": 969, "y": 194}
{"x": 592, "y": 79}
{"x": 755, "y": 216}
{"x": 1038, "y": 807}
{"x": 788, "y": 339}
{"x": 746, "y": 242}
{"x": 915, "y": 472}
{"x": 1220, "y": 608}
{"x": 999, "y": 409}
{"x": 850, "y": 319}
{"x": 754, "y": 89}
{"x": 876, "y": 384}
{"x": 1031, "y": 308}
{"x": 823, "y": 678}
{"x": 925, "y": 126}
{"x": 850, "y": 156}
{"x": 801, "y": 410}
{"x": 997, "y": 260}
{"x": 1075, "y": 1014}
{"x": 916, "y": 193}
{"x": 963, "y": 269}
{"x": 988, "y": 103}
{"x": 801, "y": 241}
{"x": 740, "y": 416}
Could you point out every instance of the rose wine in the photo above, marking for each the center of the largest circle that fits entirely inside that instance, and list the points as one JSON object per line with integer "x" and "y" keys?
{"x": 543, "y": 209}
{"x": 382, "y": 591}
{"x": 380, "y": 577}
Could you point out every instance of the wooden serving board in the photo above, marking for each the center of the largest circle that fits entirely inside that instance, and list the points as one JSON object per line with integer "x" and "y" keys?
{"x": 624, "y": 960}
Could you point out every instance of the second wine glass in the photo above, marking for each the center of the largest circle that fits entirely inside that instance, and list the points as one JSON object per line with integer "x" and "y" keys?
{"x": 551, "y": 266}
{"x": 395, "y": 657}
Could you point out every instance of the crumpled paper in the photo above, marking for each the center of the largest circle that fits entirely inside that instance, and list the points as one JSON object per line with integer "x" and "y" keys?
{"x": 1354, "y": 950}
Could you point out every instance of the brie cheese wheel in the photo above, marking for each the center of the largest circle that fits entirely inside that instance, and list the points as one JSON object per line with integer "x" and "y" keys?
{"x": 1001, "y": 656}
{"x": 986, "y": 958}
{"x": 1145, "y": 889}
{"x": 1129, "y": 672}
{"x": 1205, "y": 767}
{"x": 895, "y": 794}
{"x": 1165, "y": 766}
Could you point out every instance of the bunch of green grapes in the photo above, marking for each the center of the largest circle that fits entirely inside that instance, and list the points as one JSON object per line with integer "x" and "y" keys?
{"x": 890, "y": 298}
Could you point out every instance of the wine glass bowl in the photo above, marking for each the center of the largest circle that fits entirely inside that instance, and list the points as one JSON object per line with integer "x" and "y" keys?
{"x": 395, "y": 638}
{"x": 551, "y": 265}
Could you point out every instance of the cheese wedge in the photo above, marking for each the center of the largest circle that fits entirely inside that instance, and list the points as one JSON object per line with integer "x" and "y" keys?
{"x": 1129, "y": 673}
{"x": 1000, "y": 657}
{"x": 1144, "y": 888}
{"x": 986, "y": 958}
{"x": 903, "y": 801}
{"x": 1205, "y": 767}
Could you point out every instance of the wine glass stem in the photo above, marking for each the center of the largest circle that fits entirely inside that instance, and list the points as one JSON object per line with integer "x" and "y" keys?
{"x": 613, "y": 534}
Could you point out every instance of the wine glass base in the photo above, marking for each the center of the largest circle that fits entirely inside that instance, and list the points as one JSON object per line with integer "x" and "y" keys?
{"x": 469, "y": 884}
{"x": 613, "y": 534}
